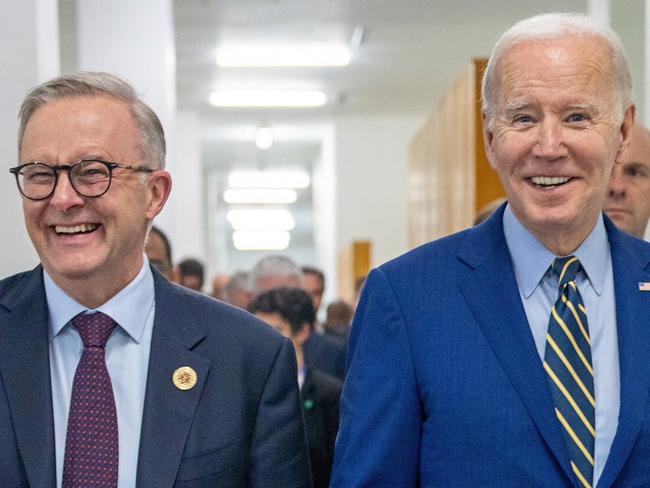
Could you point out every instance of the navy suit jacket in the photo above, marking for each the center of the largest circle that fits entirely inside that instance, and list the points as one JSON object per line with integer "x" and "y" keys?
{"x": 320, "y": 407}
{"x": 241, "y": 425}
{"x": 325, "y": 354}
{"x": 446, "y": 389}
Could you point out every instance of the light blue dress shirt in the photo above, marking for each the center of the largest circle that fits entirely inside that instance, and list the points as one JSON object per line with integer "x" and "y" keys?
{"x": 538, "y": 289}
{"x": 127, "y": 360}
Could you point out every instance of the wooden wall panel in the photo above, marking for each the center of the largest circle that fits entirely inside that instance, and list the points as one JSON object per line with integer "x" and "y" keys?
{"x": 450, "y": 177}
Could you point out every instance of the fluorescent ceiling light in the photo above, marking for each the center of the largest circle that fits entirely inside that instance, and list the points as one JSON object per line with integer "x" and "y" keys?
{"x": 268, "y": 98}
{"x": 253, "y": 196}
{"x": 260, "y": 219}
{"x": 269, "y": 179}
{"x": 286, "y": 55}
{"x": 261, "y": 240}
{"x": 263, "y": 137}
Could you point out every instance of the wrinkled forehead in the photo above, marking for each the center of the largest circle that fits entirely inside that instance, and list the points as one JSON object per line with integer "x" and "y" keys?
{"x": 578, "y": 64}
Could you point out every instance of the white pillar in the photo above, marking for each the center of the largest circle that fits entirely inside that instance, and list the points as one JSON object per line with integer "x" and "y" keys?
{"x": 645, "y": 116}
{"x": 30, "y": 54}
{"x": 186, "y": 203}
{"x": 599, "y": 10}
{"x": 135, "y": 40}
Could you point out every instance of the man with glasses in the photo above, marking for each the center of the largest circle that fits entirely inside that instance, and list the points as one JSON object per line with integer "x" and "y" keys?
{"x": 628, "y": 199}
{"x": 109, "y": 375}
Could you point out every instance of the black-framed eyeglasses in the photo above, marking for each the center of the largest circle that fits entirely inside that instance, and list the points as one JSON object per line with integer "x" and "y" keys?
{"x": 89, "y": 178}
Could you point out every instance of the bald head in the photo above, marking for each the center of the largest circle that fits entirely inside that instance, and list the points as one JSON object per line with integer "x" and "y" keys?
{"x": 628, "y": 200}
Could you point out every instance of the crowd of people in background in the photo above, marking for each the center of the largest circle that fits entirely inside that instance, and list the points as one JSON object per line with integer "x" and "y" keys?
{"x": 288, "y": 298}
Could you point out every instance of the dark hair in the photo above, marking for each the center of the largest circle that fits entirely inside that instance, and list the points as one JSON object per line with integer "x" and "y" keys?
{"x": 314, "y": 271}
{"x": 191, "y": 267}
{"x": 292, "y": 304}
{"x": 163, "y": 237}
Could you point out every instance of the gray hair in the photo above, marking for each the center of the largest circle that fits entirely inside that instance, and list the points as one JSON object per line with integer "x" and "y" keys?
{"x": 281, "y": 269}
{"x": 99, "y": 84}
{"x": 238, "y": 282}
{"x": 554, "y": 26}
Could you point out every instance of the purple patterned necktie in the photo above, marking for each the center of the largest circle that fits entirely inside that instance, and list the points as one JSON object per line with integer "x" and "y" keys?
{"x": 91, "y": 445}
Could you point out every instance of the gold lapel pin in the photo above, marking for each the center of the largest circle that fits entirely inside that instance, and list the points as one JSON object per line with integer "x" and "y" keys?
{"x": 644, "y": 286}
{"x": 184, "y": 378}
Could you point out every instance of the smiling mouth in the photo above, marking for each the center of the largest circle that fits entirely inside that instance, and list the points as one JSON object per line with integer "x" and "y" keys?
{"x": 75, "y": 229}
{"x": 549, "y": 181}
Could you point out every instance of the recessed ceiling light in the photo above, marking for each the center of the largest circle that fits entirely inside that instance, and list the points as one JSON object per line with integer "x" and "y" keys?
{"x": 284, "y": 55}
{"x": 269, "y": 179}
{"x": 261, "y": 240}
{"x": 260, "y": 219}
{"x": 268, "y": 98}
{"x": 263, "y": 137}
{"x": 259, "y": 196}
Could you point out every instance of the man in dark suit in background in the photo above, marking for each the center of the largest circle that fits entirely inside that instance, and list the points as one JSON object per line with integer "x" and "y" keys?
{"x": 290, "y": 311}
{"x": 321, "y": 352}
{"x": 515, "y": 354}
{"x": 110, "y": 375}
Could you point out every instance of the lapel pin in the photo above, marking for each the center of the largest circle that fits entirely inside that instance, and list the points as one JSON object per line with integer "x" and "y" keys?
{"x": 644, "y": 286}
{"x": 184, "y": 378}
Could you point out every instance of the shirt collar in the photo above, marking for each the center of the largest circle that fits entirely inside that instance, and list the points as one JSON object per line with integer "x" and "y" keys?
{"x": 531, "y": 260}
{"x": 129, "y": 307}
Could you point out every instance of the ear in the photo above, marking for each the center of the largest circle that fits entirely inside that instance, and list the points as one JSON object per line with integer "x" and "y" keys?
{"x": 488, "y": 139}
{"x": 160, "y": 185}
{"x": 626, "y": 130}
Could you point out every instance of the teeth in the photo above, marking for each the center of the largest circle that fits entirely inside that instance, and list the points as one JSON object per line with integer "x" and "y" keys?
{"x": 74, "y": 229}
{"x": 549, "y": 180}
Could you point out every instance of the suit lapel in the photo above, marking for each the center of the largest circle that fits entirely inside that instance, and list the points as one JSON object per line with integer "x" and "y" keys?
{"x": 168, "y": 411}
{"x": 25, "y": 370}
{"x": 630, "y": 263}
{"x": 491, "y": 291}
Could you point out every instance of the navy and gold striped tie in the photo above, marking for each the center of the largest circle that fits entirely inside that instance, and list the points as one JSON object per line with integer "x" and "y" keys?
{"x": 567, "y": 360}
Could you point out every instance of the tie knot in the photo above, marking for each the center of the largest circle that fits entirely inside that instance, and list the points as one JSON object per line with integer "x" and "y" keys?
{"x": 566, "y": 269}
{"x": 94, "y": 328}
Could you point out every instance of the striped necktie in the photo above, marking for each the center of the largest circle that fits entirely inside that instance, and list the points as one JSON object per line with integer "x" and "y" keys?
{"x": 567, "y": 360}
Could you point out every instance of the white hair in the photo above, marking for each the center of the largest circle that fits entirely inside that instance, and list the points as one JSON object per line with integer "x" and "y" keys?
{"x": 554, "y": 26}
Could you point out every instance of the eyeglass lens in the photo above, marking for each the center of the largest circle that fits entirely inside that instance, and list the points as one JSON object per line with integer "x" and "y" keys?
{"x": 89, "y": 178}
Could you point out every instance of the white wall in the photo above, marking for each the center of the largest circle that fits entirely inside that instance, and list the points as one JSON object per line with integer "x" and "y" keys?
{"x": 28, "y": 34}
{"x": 372, "y": 181}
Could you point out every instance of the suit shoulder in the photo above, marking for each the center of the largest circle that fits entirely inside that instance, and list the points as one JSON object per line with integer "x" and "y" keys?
{"x": 13, "y": 281}
{"x": 224, "y": 322}
{"x": 438, "y": 250}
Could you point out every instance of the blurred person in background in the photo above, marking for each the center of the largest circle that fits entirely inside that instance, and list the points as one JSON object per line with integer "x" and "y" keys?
{"x": 159, "y": 251}
{"x": 628, "y": 199}
{"x": 236, "y": 291}
{"x": 290, "y": 311}
{"x": 339, "y": 317}
{"x": 277, "y": 271}
{"x": 191, "y": 273}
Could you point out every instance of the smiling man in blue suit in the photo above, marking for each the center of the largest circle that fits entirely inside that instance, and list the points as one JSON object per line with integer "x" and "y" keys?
{"x": 515, "y": 354}
{"x": 110, "y": 376}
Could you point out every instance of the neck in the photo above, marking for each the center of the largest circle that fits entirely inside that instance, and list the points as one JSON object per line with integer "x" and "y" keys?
{"x": 300, "y": 358}
{"x": 95, "y": 290}
{"x": 563, "y": 243}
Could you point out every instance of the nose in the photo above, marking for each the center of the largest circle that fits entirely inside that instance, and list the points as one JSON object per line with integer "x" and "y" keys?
{"x": 616, "y": 188}
{"x": 65, "y": 197}
{"x": 550, "y": 143}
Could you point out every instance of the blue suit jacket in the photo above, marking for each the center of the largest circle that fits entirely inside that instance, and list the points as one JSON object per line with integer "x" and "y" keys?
{"x": 241, "y": 425}
{"x": 446, "y": 389}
